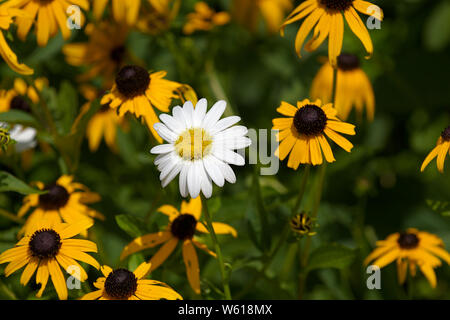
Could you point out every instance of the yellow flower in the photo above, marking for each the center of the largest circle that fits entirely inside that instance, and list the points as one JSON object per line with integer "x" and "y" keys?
{"x": 6, "y": 18}
{"x": 17, "y": 97}
{"x": 327, "y": 16}
{"x": 182, "y": 227}
{"x": 413, "y": 248}
{"x": 204, "y": 18}
{"x": 47, "y": 248}
{"x": 103, "y": 123}
{"x": 137, "y": 91}
{"x": 248, "y": 12}
{"x": 47, "y": 15}
{"x": 159, "y": 16}
{"x": 104, "y": 53}
{"x": 123, "y": 11}
{"x": 122, "y": 284}
{"x": 64, "y": 201}
{"x": 353, "y": 87}
{"x": 302, "y": 133}
{"x": 440, "y": 151}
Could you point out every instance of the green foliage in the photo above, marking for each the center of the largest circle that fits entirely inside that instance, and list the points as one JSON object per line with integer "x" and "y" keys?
{"x": 10, "y": 183}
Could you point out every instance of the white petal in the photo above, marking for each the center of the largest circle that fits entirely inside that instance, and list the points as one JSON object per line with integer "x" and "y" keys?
{"x": 214, "y": 114}
{"x": 165, "y": 132}
{"x": 213, "y": 170}
{"x": 173, "y": 173}
{"x": 227, "y": 172}
{"x": 236, "y": 143}
{"x": 224, "y": 124}
{"x": 205, "y": 182}
{"x": 183, "y": 180}
{"x": 200, "y": 112}
{"x": 162, "y": 148}
{"x": 236, "y": 131}
{"x": 167, "y": 167}
{"x": 229, "y": 156}
{"x": 178, "y": 115}
{"x": 188, "y": 110}
{"x": 193, "y": 180}
{"x": 172, "y": 124}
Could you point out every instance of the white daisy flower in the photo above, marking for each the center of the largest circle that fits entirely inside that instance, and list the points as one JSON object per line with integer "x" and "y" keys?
{"x": 25, "y": 137}
{"x": 200, "y": 147}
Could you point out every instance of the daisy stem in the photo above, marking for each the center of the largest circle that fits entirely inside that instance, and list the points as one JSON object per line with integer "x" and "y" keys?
{"x": 305, "y": 254}
{"x": 226, "y": 287}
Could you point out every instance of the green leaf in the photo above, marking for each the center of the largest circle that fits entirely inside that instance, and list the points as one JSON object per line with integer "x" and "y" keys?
{"x": 135, "y": 260}
{"x": 437, "y": 27}
{"x": 331, "y": 256}
{"x": 18, "y": 116}
{"x": 10, "y": 183}
{"x": 67, "y": 106}
{"x": 129, "y": 224}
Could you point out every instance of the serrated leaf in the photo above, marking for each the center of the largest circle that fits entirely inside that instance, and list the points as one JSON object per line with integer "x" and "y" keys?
{"x": 10, "y": 183}
{"x": 18, "y": 116}
{"x": 331, "y": 256}
{"x": 130, "y": 225}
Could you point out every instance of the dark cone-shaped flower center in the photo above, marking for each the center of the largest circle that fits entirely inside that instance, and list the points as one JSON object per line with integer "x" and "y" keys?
{"x": 347, "y": 62}
{"x": 183, "y": 227}
{"x": 20, "y": 103}
{"x": 45, "y": 243}
{"x": 310, "y": 120}
{"x": 408, "y": 240}
{"x": 339, "y": 5}
{"x": 132, "y": 81}
{"x": 117, "y": 54}
{"x": 56, "y": 197}
{"x": 446, "y": 134}
{"x": 121, "y": 284}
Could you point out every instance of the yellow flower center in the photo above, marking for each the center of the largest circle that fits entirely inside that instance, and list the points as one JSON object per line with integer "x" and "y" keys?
{"x": 193, "y": 144}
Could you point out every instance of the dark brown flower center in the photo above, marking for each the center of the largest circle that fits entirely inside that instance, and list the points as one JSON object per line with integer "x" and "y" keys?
{"x": 56, "y": 197}
{"x": 183, "y": 227}
{"x": 45, "y": 243}
{"x": 132, "y": 81}
{"x": 347, "y": 62}
{"x": 121, "y": 284}
{"x": 20, "y": 103}
{"x": 117, "y": 54}
{"x": 446, "y": 134}
{"x": 408, "y": 240}
{"x": 339, "y": 5}
{"x": 310, "y": 120}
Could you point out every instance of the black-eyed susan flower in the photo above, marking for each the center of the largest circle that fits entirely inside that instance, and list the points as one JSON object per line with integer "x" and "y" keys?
{"x": 46, "y": 249}
{"x": 327, "y": 19}
{"x": 182, "y": 227}
{"x": 302, "y": 133}
{"x": 7, "y": 16}
{"x": 440, "y": 151}
{"x": 21, "y": 94}
{"x": 48, "y": 16}
{"x": 123, "y": 11}
{"x": 302, "y": 224}
{"x": 200, "y": 147}
{"x": 64, "y": 201}
{"x": 122, "y": 284}
{"x": 103, "y": 124}
{"x": 249, "y": 13}
{"x": 137, "y": 91}
{"x": 411, "y": 249}
{"x": 104, "y": 53}
{"x": 353, "y": 87}
{"x": 158, "y": 16}
{"x": 204, "y": 18}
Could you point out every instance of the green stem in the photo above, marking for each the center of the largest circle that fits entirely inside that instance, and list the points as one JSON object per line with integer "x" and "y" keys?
{"x": 305, "y": 251}
{"x": 302, "y": 188}
{"x": 10, "y": 216}
{"x": 7, "y": 292}
{"x": 226, "y": 287}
